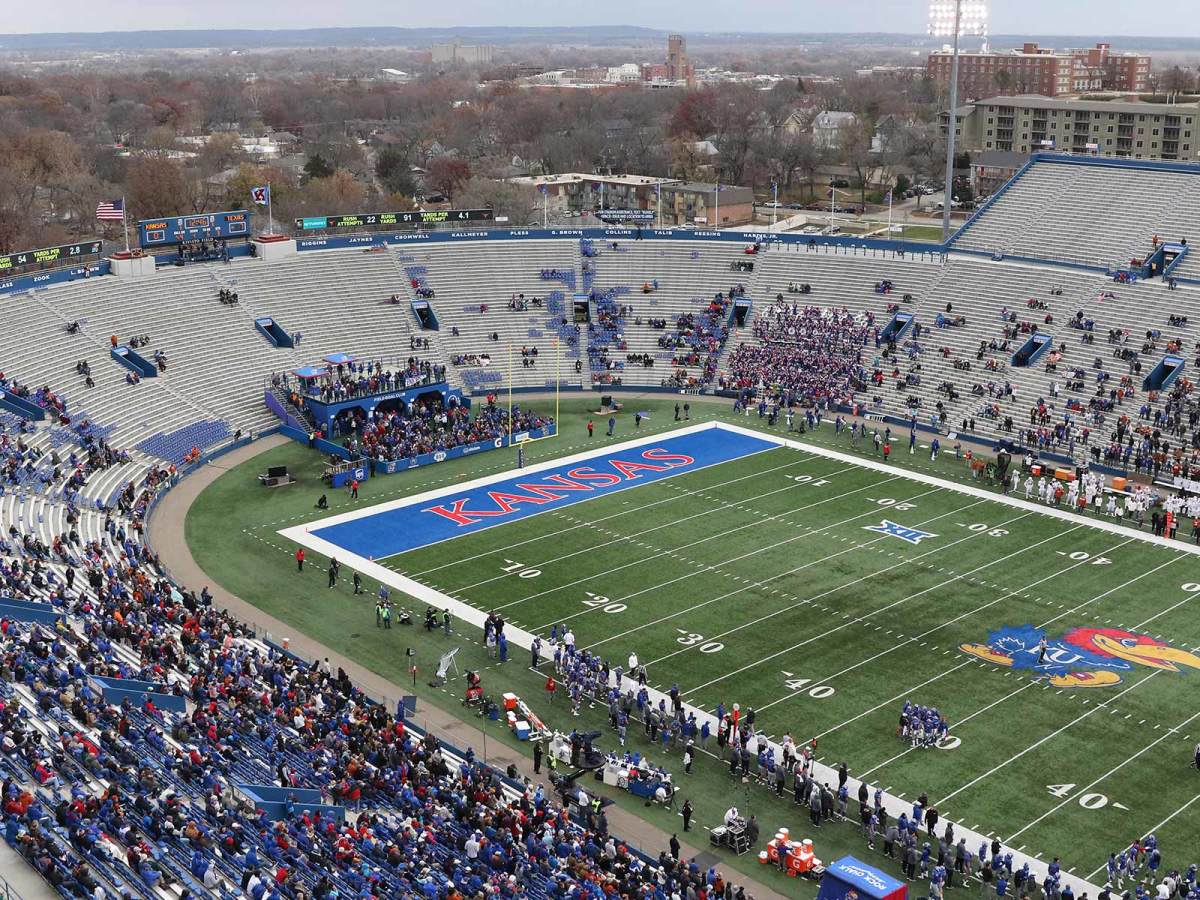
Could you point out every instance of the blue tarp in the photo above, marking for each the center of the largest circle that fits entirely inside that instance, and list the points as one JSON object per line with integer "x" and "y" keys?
{"x": 310, "y": 372}
{"x": 338, "y": 359}
{"x": 850, "y": 876}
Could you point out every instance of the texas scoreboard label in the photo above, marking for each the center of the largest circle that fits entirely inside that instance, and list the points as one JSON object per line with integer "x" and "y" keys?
{"x": 412, "y": 217}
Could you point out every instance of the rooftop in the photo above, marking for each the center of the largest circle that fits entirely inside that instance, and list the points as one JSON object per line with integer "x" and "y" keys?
{"x": 1126, "y": 106}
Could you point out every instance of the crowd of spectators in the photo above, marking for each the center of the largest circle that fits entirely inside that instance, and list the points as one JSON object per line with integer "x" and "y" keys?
{"x": 124, "y": 799}
{"x": 426, "y": 426}
{"x": 698, "y": 338}
{"x": 810, "y": 352}
{"x": 346, "y": 381}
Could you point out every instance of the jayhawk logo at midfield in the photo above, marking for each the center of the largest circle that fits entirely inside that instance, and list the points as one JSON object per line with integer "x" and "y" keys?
{"x": 1083, "y": 657}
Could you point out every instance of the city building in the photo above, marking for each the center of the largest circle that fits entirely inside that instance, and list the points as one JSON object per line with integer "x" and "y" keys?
{"x": 704, "y": 203}
{"x": 827, "y": 128}
{"x": 463, "y": 54}
{"x": 678, "y": 66}
{"x": 573, "y": 193}
{"x": 681, "y": 202}
{"x": 1041, "y": 70}
{"x": 1097, "y": 127}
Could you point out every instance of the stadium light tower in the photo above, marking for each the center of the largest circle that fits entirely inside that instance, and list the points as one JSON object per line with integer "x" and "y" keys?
{"x": 954, "y": 18}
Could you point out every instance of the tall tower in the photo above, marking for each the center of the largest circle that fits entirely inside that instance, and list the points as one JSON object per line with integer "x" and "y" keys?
{"x": 676, "y": 57}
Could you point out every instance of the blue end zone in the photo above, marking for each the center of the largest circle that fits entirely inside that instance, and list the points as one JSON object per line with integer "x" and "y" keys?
{"x": 414, "y": 525}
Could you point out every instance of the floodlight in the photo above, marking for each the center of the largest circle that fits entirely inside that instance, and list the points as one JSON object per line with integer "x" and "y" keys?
{"x": 972, "y": 17}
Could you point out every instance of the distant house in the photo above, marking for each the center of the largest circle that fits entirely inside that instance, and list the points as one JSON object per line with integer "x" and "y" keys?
{"x": 888, "y": 131}
{"x": 827, "y": 128}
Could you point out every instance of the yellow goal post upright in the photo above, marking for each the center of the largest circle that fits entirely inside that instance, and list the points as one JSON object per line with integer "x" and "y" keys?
{"x": 557, "y": 397}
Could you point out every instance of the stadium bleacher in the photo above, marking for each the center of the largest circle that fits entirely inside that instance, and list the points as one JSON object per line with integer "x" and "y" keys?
{"x": 110, "y": 801}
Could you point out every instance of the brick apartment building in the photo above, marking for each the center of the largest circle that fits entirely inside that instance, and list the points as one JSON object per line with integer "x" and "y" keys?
{"x": 1041, "y": 70}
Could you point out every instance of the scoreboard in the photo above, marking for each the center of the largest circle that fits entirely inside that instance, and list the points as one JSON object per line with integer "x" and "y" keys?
{"x": 48, "y": 255}
{"x": 366, "y": 220}
{"x": 199, "y": 227}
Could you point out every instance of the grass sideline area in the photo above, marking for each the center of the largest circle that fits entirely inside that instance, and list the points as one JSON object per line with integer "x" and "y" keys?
{"x": 1076, "y": 758}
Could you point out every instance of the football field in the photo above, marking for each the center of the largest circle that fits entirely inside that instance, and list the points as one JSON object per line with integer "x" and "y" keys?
{"x": 824, "y": 591}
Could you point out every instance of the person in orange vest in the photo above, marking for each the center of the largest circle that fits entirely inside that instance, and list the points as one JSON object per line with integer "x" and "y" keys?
{"x": 300, "y": 560}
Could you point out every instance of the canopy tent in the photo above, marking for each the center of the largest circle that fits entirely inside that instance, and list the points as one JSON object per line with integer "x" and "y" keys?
{"x": 849, "y": 879}
{"x": 339, "y": 359}
{"x": 310, "y": 372}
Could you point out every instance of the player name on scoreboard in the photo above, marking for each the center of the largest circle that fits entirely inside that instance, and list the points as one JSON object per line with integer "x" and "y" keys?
{"x": 48, "y": 255}
{"x": 415, "y": 217}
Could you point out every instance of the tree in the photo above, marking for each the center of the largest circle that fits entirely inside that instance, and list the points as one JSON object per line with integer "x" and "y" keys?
{"x": 446, "y": 174}
{"x": 156, "y": 186}
{"x": 317, "y": 167}
{"x": 1177, "y": 80}
{"x": 855, "y": 148}
{"x": 1004, "y": 81}
{"x": 249, "y": 176}
{"x": 221, "y": 151}
{"x": 394, "y": 172}
{"x": 518, "y": 202}
{"x": 685, "y": 160}
{"x": 338, "y": 193}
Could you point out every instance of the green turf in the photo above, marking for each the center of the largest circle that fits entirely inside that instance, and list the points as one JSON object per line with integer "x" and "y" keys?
{"x": 755, "y": 581}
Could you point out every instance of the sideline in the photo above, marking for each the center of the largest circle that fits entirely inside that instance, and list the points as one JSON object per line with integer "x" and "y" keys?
{"x": 165, "y": 531}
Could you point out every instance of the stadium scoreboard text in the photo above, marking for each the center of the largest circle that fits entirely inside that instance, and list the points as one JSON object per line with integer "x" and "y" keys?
{"x": 48, "y": 255}
{"x": 365, "y": 220}
{"x": 198, "y": 227}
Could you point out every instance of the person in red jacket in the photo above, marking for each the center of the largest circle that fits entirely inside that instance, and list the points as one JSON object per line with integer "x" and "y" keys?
{"x": 300, "y": 560}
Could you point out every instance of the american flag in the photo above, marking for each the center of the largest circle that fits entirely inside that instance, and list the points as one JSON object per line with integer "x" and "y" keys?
{"x": 110, "y": 210}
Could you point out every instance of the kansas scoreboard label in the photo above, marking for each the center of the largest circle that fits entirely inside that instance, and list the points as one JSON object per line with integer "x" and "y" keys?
{"x": 413, "y": 217}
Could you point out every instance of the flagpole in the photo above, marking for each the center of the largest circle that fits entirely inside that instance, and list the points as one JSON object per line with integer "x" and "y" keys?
{"x": 510, "y": 381}
{"x": 658, "y": 202}
{"x": 890, "y": 214}
{"x": 270, "y": 213}
{"x": 775, "y": 198}
{"x": 717, "y": 194}
{"x": 545, "y": 207}
{"x": 125, "y": 224}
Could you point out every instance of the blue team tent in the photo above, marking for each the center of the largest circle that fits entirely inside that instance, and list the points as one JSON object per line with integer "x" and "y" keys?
{"x": 310, "y": 372}
{"x": 338, "y": 359}
{"x": 849, "y": 879}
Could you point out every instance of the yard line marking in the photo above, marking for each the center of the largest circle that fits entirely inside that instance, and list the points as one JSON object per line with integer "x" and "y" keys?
{"x": 1152, "y": 830}
{"x": 851, "y": 549}
{"x": 969, "y": 490}
{"x": 1115, "y": 768}
{"x": 867, "y": 615}
{"x": 701, "y": 567}
{"x": 996, "y": 768}
{"x": 645, "y": 506}
{"x": 619, "y": 538}
{"x": 958, "y": 618}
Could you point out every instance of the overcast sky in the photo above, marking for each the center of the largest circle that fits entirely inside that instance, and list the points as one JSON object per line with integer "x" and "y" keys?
{"x": 1108, "y": 17}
